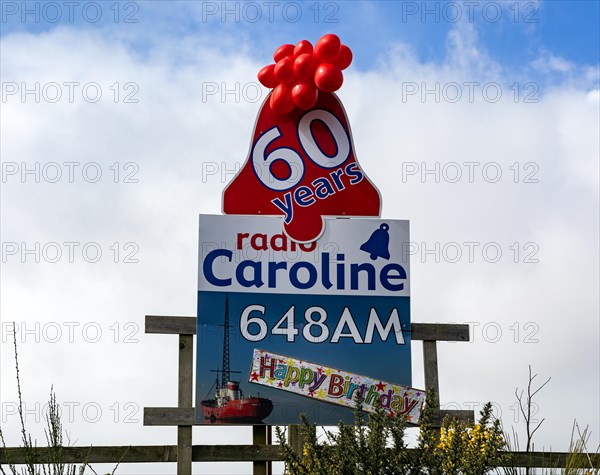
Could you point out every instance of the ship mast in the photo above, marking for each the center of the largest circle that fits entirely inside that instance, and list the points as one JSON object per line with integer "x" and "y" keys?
{"x": 225, "y": 374}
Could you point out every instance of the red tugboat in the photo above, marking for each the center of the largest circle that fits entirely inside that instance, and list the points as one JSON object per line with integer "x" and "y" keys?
{"x": 229, "y": 405}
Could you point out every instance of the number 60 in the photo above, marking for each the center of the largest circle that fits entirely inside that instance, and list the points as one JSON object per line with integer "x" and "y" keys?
{"x": 262, "y": 164}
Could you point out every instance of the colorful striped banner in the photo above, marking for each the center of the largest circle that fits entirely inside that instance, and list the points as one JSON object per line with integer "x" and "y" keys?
{"x": 333, "y": 385}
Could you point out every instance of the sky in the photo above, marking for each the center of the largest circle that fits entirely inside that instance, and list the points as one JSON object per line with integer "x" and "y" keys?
{"x": 122, "y": 121}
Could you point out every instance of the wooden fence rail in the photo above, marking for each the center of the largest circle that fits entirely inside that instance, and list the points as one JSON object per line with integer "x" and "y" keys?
{"x": 261, "y": 453}
{"x": 233, "y": 453}
{"x": 183, "y": 416}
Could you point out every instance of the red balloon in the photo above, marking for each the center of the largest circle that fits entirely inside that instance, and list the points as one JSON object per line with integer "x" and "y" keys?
{"x": 281, "y": 100}
{"x": 305, "y": 95}
{"x": 327, "y": 48}
{"x": 266, "y": 76}
{"x": 344, "y": 57}
{"x": 303, "y": 47}
{"x": 304, "y": 66}
{"x": 284, "y": 70}
{"x": 328, "y": 77}
{"x": 283, "y": 51}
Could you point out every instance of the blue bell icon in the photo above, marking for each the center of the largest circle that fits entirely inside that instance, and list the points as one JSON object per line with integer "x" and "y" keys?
{"x": 377, "y": 244}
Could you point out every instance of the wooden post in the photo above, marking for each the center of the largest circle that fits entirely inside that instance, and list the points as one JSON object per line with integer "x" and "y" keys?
{"x": 261, "y": 435}
{"x": 184, "y": 433}
{"x": 430, "y": 366}
{"x": 295, "y": 439}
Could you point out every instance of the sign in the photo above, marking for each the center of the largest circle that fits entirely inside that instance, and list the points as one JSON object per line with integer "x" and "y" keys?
{"x": 302, "y": 166}
{"x": 281, "y": 274}
{"x": 335, "y": 386}
{"x": 342, "y": 300}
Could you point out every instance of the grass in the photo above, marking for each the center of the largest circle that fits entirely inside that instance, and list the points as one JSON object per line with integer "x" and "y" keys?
{"x": 54, "y": 463}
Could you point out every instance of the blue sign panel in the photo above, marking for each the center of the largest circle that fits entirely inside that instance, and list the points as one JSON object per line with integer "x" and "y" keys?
{"x": 341, "y": 302}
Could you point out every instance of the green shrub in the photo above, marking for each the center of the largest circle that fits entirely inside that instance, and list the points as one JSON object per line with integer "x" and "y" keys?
{"x": 375, "y": 445}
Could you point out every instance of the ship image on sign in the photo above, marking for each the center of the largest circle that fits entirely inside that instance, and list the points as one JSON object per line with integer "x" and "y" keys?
{"x": 335, "y": 386}
{"x": 229, "y": 405}
{"x": 343, "y": 300}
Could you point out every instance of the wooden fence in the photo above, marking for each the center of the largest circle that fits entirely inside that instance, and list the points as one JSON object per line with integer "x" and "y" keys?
{"x": 261, "y": 453}
{"x": 183, "y": 415}
{"x": 225, "y": 453}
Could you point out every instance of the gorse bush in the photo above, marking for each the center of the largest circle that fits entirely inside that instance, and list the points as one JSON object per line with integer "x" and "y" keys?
{"x": 462, "y": 448}
{"x": 375, "y": 445}
{"x": 353, "y": 449}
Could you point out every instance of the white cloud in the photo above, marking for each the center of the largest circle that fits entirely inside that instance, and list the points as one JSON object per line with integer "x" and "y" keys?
{"x": 548, "y": 63}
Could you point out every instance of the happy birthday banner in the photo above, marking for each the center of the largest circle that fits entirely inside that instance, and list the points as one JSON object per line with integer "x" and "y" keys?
{"x": 333, "y": 385}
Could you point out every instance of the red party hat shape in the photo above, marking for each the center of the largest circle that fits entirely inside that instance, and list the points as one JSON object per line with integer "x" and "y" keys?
{"x": 302, "y": 164}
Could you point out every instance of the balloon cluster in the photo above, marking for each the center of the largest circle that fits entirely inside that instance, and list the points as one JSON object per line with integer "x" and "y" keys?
{"x": 300, "y": 72}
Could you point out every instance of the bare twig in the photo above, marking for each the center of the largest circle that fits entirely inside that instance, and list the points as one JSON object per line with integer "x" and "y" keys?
{"x": 54, "y": 463}
{"x": 120, "y": 460}
{"x": 525, "y": 407}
